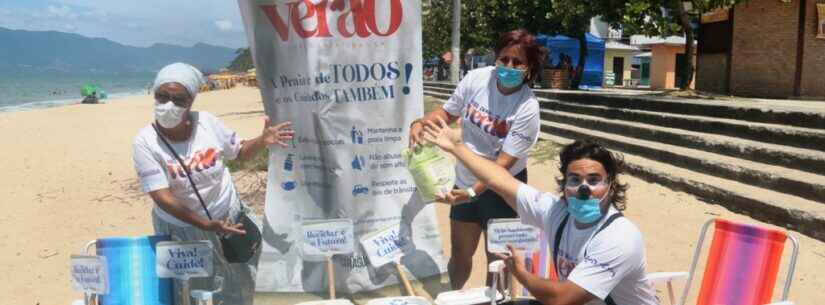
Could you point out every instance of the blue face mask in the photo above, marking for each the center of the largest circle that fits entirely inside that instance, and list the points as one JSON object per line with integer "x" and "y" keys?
{"x": 509, "y": 77}
{"x": 584, "y": 211}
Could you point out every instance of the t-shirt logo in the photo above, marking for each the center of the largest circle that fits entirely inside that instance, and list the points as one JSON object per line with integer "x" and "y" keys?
{"x": 565, "y": 265}
{"x": 200, "y": 161}
{"x": 489, "y": 123}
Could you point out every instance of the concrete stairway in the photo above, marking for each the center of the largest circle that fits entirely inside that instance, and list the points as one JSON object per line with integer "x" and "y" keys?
{"x": 764, "y": 160}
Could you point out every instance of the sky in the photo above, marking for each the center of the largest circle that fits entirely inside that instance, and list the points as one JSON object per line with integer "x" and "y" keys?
{"x": 132, "y": 22}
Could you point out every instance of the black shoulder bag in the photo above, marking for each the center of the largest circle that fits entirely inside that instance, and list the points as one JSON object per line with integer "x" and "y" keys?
{"x": 236, "y": 248}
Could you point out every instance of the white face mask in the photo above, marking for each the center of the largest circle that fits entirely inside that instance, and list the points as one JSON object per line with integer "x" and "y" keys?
{"x": 168, "y": 115}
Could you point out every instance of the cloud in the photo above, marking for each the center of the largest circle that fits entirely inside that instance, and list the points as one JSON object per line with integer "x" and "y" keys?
{"x": 138, "y": 23}
{"x": 62, "y": 11}
{"x": 224, "y": 25}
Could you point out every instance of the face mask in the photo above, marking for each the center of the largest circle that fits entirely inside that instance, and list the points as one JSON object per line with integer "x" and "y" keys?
{"x": 585, "y": 210}
{"x": 169, "y": 115}
{"x": 509, "y": 77}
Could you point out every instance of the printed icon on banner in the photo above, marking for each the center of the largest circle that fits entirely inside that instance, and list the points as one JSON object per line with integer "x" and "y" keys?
{"x": 288, "y": 185}
{"x": 288, "y": 163}
{"x": 357, "y": 136}
{"x": 358, "y": 163}
{"x": 360, "y": 190}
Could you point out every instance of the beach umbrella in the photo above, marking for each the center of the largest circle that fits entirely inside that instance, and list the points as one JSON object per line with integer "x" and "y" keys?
{"x": 88, "y": 89}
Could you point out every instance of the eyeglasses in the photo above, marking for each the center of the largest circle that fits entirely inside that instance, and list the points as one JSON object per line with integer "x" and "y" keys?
{"x": 180, "y": 100}
{"x": 594, "y": 181}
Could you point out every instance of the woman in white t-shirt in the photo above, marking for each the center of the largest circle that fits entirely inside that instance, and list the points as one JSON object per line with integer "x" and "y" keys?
{"x": 500, "y": 119}
{"x": 599, "y": 255}
{"x": 204, "y": 143}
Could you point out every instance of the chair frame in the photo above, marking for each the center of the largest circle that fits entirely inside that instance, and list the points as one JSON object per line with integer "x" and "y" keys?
{"x": 698, "y": 252}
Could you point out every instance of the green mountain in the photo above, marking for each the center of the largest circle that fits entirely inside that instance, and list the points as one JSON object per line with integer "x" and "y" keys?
{"x": 65, "y": 52}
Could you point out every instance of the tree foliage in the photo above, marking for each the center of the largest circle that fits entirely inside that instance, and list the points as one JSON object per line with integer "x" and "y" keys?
{"x": 242, "y": 61}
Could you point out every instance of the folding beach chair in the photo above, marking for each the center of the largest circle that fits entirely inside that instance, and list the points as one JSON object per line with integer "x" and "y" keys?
{"x": 741, "y": 267}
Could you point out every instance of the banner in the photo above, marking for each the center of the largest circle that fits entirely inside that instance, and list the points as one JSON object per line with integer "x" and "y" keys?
{"x": 347, "y": 73}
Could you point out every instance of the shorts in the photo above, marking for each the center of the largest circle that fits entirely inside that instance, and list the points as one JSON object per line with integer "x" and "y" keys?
{"x": 488, "y": 205}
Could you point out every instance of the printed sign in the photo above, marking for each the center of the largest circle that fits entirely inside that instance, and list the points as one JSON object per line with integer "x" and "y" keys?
{"x": 503, "y": 232}
{"x": 328, "y": 237}
{"x": 90, "y": 274}
{"x": 385, "y": 246}
{"x": 184, "y": 260}
{"x": 348, "y": 75}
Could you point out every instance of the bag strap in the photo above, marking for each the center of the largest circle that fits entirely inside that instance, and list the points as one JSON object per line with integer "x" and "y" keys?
{"x": 560, "y": 231}
{"x": 185, "y": 169}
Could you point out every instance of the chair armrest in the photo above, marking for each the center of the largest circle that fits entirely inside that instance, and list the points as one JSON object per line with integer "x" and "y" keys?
{"x": 664, "y": 277}
{"x": 782, "y": 303}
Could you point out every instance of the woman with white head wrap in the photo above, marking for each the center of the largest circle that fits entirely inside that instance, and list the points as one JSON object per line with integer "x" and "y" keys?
{"x": 203, "y": 143}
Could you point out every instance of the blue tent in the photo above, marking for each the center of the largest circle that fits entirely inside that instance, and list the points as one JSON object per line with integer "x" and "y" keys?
{"x": 593, "y": 66}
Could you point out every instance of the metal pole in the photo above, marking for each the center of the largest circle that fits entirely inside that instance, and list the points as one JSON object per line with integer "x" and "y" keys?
{"x": 455, "y": 65}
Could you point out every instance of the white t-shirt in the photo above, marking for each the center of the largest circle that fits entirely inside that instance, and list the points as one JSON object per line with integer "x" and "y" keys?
{"x": 615, "y": 261}
{"x": 210, "y": 144}
{"x": 493, "y": 122}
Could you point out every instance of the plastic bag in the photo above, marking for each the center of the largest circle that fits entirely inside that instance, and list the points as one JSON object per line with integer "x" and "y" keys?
{"x": 432, "y": 171}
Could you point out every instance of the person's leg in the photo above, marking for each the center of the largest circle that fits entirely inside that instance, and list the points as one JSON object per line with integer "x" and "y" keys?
{"x": 465, "y": 229}
{"x": 464, "y": 239}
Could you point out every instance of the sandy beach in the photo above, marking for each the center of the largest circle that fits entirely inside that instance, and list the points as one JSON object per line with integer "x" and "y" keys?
{"x": 67, "y": 178}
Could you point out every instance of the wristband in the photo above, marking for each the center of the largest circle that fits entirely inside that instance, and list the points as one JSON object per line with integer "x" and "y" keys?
{"x": 472, "y": 193}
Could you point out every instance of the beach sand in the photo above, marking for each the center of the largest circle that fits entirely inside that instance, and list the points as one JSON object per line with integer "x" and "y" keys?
{"x": 67, "y": 178}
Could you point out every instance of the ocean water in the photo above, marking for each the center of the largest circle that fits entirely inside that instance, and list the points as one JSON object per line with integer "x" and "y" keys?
{"x": 30, "y": 90}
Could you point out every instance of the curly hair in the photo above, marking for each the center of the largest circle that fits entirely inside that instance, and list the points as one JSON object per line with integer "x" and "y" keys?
{"x": 613, "y": 164}
{"x": 536, "y": 54}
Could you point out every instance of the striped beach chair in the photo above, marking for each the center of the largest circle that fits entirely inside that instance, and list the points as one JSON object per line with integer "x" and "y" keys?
{"x": 741, "y": 268}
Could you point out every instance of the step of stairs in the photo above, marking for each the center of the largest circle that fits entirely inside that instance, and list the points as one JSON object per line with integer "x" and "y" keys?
{"x": 750, "y": 159}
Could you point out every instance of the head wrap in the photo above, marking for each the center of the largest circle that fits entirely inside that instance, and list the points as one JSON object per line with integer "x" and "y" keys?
{"x": 188, "y": 76}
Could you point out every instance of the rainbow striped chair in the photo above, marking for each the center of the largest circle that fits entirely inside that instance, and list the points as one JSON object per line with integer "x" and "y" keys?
{"x": 741, "y": 268}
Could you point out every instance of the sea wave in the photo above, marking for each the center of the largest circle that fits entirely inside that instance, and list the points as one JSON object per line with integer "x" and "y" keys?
{"x": 65, "y": 102}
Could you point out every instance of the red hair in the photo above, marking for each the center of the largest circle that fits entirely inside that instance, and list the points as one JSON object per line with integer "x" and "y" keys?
{"x": 536, "y": 54}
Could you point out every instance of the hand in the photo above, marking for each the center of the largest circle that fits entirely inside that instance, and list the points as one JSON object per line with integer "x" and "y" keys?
{"x": 278, "y": 134}
{"x": 224, "y": 227}
{"x": 514, "y": 261}
{"x": 441, "y": 134}
{"x": 453, "y": 197}
{"x": 416, "y": 132}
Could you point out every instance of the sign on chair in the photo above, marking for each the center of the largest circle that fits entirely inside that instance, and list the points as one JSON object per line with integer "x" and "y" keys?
{"x": 184, "y": 260}
{"x": 503, "y": 232}
{"x": 90, "y": 274}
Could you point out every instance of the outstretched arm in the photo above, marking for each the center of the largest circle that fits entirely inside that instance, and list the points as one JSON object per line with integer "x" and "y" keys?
{"x": 488, "y": 172}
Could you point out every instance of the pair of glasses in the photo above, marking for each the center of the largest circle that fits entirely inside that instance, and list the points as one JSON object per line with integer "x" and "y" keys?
{"x": 178, "y": 99}
{"x": 573, "y": 182}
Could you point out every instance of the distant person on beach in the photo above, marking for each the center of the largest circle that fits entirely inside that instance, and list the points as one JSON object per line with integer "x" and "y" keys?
{"x": 500, "y": 118}
{"x": 205, "y": 143}
{"x": 599, "y": 254}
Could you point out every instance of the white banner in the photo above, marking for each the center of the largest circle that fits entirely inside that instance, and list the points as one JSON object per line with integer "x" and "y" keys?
{"x": 348, "y": 74}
